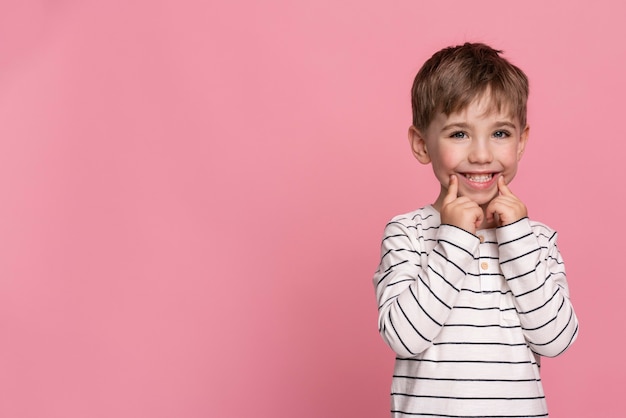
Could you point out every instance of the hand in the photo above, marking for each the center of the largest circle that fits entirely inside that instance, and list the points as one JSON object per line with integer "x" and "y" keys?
{"x": 505, "y": 208}
{"x": 461, "y": 211}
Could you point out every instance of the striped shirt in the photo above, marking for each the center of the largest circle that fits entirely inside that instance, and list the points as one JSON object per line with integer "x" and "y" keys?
{"x": 469, "y": 315}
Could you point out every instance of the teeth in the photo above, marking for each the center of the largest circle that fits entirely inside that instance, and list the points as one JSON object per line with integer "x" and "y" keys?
{"x": 479, "y": 178}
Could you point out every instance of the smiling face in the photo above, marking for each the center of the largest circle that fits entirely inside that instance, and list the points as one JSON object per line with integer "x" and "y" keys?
{"x": 477, "y": 144}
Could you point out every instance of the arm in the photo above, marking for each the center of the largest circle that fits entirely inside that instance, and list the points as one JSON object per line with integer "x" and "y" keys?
{"x": 416, "y": 291}
{"x": 534, "y": 270}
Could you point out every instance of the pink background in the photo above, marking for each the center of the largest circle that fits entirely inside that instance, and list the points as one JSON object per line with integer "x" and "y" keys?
{"x": 193, "y": 197}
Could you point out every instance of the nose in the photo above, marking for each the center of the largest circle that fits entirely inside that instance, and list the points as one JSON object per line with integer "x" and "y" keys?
{"x": 480, "y": 152}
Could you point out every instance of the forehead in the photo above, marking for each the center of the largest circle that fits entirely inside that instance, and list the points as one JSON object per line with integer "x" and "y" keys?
{"x": 483, "y": 107}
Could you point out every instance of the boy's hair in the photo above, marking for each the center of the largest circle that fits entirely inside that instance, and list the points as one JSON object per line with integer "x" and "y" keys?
{"x": 453, "y": 77}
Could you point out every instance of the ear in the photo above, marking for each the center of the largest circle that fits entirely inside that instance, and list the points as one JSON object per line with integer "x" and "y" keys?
{"x": 418, "y": 145}
{"x": 523, "y": 140}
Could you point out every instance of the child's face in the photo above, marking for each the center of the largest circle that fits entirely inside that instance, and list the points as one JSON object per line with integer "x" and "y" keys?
{"x": 477, "y": 144}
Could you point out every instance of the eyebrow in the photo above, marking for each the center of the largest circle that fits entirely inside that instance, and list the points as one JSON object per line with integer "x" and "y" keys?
{"x": 463, "y": 125}
{"x": 459, "y": 125}
{"x": 505, "y": 123}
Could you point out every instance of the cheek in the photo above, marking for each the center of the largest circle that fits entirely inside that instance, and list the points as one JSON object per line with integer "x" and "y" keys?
{"x": 509, "y": 160}
{"x": 510, "y": 155}
{"x": 444, "y": 165}
{"x": 447, "y": 158}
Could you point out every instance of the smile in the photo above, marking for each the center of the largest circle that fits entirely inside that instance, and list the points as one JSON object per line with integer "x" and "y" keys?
{"x": 479, "y": 178}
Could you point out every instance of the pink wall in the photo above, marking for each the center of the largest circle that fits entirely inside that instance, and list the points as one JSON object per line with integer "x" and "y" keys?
{"x": 193, "y": 197}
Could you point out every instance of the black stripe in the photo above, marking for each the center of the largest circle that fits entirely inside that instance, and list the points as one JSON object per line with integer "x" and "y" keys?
{"x": 383, "y": 278}
{"x": 391, "y": 267}
{"x": 556, "y": 260}
{"x": 457, "y": 246}
{"x": 469, "y": 398}
{"x": 395, "y": 236}
{"x": 432, "y": 293}
{"x": 445, "y": 379}
{"x": 442, "y": 278}
{"x": 480, "y": 343}
{"x": 484, "y": 326}
{"x": 397, "y": 250}
{"x": 413, "y": 326}
{"x": 569, "y": 321}
{"x": 486, "y": 308}
{"x": 425, "y": 360}
{"x": 485, "y": 274}
{"x": 395, "y": 411}
{"x": 424, "y": 310}
{"x": 520, "y": 256}
{"x": 399, "y": 281}
{"x": 515, "y": 239}
{"x": 401, "y": 224}
{"x": 449, "y": 261}
{"x": 485, "y": 291}
{"x": 420, "y": 216}
{"x": 536, "y": 288}
{"x": 541, "y": 306}
{"x": 486, "y": 257}
{"x": 524, "y": 274}
{"x": 551, "y": 319}
{"x": 574, "y": 334}
{"x": 398, "y": 335}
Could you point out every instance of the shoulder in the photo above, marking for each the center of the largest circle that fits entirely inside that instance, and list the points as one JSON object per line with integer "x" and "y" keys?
{"x": 421, "y": 223}
{"x": 423, "y": 218}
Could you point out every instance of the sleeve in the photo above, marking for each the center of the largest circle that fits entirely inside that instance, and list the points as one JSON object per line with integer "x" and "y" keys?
{"x": 416, "y": 291}
{"x": 534, "y": 270}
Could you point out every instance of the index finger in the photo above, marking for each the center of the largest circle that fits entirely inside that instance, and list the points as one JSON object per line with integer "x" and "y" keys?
{"x": 453, "y": 190}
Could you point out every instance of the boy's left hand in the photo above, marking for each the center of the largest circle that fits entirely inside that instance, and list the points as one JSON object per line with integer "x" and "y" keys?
{"x": 506, "y": 206}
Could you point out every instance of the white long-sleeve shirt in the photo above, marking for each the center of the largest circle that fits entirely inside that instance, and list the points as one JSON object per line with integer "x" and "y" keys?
{"x": 469, "y": 315}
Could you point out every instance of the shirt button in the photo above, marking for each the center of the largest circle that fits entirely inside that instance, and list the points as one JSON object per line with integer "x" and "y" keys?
{"x": 484, "y": 265}
{"x": 481, "y": 238}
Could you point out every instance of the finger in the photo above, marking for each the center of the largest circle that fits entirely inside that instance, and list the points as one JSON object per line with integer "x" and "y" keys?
{"x": 488, "y": 218}
{"x": 503, "y": 188}
{"x": 489, "y": 212}
{"x": 480, "y": 217}
{"x": 453, "y": 189}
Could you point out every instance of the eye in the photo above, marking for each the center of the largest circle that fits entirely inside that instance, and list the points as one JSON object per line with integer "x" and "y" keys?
{"x": 458, "y": 135}
{"x": 501, "y": 134}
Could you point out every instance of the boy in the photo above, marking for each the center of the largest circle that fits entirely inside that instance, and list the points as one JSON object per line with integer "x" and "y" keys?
{"x": 470, "y": 291}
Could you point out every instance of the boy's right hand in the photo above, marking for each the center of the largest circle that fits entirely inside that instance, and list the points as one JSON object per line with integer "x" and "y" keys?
{"x": 461, "y": 211}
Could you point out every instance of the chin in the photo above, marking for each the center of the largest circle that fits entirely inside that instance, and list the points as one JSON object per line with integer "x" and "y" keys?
{"x": 482, "y": 199}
